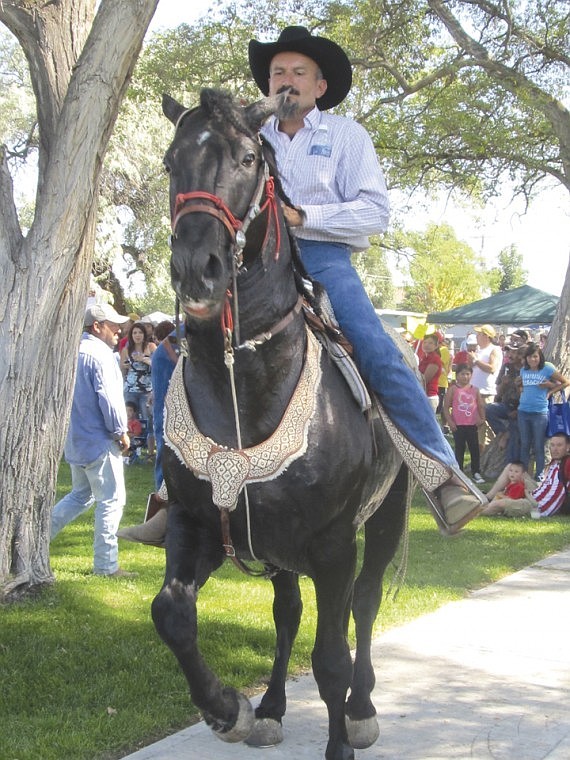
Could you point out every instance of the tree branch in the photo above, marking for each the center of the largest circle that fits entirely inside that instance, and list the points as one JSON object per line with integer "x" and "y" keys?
{"x": 99, "y": 79}
{"x": 512, "y": 80}
{"x": 10, "y": 232}
{"x": 503, "y": 13}
{"x": 52, "y": 37}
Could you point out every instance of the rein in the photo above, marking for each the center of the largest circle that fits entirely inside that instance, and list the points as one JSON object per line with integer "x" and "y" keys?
{"x": 227, "y": 329}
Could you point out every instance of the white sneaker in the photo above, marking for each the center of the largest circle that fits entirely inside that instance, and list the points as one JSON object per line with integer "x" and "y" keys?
{"x": 477, "y": 478}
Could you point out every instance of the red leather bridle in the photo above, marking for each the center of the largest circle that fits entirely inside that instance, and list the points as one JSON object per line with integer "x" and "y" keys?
{"x": 237, "y": 228}
{"x": 219, "y": 210}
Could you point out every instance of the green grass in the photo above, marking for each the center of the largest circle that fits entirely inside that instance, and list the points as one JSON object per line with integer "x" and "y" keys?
{"x": 85, "y": 676}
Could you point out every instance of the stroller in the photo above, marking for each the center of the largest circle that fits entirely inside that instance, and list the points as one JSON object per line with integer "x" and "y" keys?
{"x": 138, "y": 442}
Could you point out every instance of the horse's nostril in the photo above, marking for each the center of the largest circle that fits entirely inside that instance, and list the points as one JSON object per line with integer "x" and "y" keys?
{"x": 212, "y": 270}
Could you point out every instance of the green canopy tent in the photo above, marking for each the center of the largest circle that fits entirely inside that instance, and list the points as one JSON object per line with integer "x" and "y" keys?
{"x": 520, "y": 306}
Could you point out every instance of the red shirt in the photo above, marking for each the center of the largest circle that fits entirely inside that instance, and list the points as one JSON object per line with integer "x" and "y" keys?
{"x": 515, "y": 490}
{"x": 425, "y": 361}
{"x": 134, "y": 426}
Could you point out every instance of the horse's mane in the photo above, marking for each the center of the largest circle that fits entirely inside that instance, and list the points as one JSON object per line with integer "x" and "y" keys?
{"x": 222, "y": 107}
{"x": 298, "y": 266}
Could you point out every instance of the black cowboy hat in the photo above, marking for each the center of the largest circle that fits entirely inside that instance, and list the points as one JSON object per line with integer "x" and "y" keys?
{"x": 329, "y": 57}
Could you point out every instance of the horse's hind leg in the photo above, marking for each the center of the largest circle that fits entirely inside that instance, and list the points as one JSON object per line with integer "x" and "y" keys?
{"x": 287, "y": 608}
{"x": 382, "y": 535}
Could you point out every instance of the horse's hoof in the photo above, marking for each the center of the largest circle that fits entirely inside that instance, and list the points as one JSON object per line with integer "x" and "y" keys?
{"x": 243, "y": 725}
{"x": 266, "y": 732}
{"x": 362, "y": 733}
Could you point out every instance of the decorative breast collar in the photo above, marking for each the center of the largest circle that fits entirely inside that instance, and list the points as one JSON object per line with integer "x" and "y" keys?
{"x": 230, "y": 469}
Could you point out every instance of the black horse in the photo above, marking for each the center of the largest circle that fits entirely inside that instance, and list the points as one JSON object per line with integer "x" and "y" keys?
{"x": 234, "y": 270}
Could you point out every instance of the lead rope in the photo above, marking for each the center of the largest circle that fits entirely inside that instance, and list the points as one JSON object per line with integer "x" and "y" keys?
{"x": 227, "y": 327}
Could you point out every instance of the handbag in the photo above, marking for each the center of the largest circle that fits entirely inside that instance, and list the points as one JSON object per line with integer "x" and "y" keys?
{"x": 558, "y": 416}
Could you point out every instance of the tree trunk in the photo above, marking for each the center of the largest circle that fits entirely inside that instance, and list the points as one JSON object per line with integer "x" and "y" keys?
{"x": 36, "y": 395}
{"x": 45, "y": 275}
{"x": 558, "y": 344}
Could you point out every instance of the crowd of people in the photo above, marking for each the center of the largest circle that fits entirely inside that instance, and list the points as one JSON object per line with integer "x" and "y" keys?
{"x": 499, "y": 387}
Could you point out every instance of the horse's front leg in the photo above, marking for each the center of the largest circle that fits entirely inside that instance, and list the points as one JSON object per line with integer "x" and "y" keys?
{"x": 287, "y": 609}
{"x": 332, "y": 664}
{"x": 191, "y": 556}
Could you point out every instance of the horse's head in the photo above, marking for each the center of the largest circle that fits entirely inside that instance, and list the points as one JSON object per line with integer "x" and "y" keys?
{"x": 217, "y": 178}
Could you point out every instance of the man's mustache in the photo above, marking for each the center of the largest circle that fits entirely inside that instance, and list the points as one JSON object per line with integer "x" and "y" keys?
{"x": 289, "y": 89}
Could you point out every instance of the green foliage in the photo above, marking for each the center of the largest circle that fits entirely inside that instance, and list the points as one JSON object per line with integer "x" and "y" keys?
{"x": 85, "y": 676}
{"x": 17, "y": 105}
{"x": 510, "y": 273}
{"x": 445, "y": 271}
{"x": 183, "y": 60}
{"x": 135, "y": 186}
{"x": 458, "y": 113}
{"x": 444, "y": 110}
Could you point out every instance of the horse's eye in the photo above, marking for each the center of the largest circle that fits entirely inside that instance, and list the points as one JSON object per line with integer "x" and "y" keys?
{"x": 166, "y": 167}
{"x": 248, "y": 159}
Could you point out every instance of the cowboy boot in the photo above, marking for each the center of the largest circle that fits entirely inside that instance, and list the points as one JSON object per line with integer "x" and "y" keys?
{"x": 455, "y": 503}
{"x": 152, "y": 532}
{"x": 155, "y": 502}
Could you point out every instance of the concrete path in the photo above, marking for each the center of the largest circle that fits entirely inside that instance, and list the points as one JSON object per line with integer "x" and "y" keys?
{"x": 485, "y": 677}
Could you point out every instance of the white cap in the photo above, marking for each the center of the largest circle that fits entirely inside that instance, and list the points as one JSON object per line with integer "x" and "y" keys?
{"x": 471, "y": 339}
{"x": 103, "y": 312}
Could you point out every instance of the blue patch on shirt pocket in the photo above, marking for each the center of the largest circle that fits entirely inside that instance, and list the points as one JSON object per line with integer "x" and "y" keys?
{"x": 320, "y": 150}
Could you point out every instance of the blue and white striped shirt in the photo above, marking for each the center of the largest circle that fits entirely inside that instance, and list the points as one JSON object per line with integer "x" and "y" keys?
{"x": 343, "y": 195}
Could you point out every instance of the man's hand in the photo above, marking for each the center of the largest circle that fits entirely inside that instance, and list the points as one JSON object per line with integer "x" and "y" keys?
{"x": 293, "y": 216}
{"x": 124, "y": 442}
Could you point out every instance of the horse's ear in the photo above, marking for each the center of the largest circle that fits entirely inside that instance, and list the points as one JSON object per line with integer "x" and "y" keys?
{"x": 258, "y": 112}
{"x": 171, "y": 108}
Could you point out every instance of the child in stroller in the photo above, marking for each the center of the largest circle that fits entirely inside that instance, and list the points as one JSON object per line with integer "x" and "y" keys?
{"x": 137, "y": 433}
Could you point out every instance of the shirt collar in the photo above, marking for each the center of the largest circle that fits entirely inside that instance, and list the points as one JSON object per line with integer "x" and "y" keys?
{"x": 313, "y": 118}
{"x": 94, "y": 339}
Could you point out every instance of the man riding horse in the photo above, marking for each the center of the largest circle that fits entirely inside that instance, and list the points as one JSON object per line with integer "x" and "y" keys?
{"x": 329, "y": 169}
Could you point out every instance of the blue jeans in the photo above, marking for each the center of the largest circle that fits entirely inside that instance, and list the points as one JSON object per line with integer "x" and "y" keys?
{"x": 532, "y": 428}
{"x": 101, "y": 482}
{"x": 379, "y": 360}
{"x": 162, "y": 368}
{"x": 499, "y": 420}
